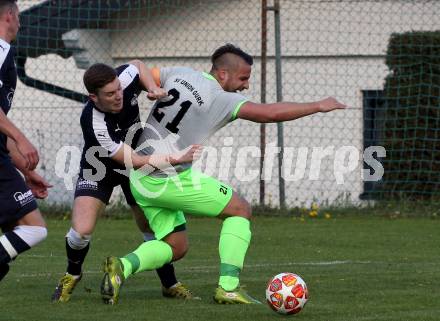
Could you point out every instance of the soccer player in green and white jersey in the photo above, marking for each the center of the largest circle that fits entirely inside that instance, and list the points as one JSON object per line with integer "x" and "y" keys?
{"x": 199, "y": 104}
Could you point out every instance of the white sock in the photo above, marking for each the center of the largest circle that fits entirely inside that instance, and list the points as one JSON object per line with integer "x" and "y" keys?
{"x": 32, "y": 235}
{"x": 77, "y": 241}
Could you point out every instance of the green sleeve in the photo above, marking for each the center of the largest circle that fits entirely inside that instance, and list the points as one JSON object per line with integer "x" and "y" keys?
{"x": 237, "y": 109}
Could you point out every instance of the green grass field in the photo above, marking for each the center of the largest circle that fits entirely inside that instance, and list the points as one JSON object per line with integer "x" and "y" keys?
{"x": 356, "y": 268}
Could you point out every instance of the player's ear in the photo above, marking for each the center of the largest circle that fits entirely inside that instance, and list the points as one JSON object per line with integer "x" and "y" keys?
{"x": 93, "y": 97}
{"x": 222, "y": 75}
{"x": 9, "y": 15}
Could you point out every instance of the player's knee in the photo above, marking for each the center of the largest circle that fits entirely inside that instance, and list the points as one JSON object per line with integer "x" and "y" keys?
{"x": 178, "y": 242}
{"x": 245, "y": 210}
{"x": 179, "y": 252}
{"x": 83, "y": 229}
{"x": 238, "y": 206}
{"x": 77, "y": 241}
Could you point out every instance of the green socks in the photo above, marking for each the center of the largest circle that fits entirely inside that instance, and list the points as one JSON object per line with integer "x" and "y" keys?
{"x": 148, "y": 256}
{"x": 234, "y": 242}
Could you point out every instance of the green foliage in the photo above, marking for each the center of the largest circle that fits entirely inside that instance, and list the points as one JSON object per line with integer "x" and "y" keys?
{"x": 410, "y": 123}
{"x": 388, "y": 209}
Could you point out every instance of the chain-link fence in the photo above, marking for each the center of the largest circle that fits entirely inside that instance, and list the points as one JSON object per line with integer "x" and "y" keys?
{"x": 328, "y": 48}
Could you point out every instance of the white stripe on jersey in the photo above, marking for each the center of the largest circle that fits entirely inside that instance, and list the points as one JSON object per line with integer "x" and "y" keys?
{"x": 4, "y": 50}
{"x": 127, "y": 76}
{"x": 102, "y": 135}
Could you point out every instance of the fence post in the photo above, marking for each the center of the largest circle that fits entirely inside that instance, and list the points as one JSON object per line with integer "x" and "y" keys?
{"x": 276, "y": 10}
{"x": 263, "y": 95}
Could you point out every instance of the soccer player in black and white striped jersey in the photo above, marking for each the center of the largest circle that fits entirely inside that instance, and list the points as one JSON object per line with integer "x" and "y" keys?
{"x": 109, "y": 121}
{"x": 21, "y": 222}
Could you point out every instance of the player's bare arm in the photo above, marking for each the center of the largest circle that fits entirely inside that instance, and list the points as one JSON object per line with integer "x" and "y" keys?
{"x": 147, "y": 81}
{"x": 285, "y": 111}
{"x": 22, "y": 144}
{"x": 128, "y": 157}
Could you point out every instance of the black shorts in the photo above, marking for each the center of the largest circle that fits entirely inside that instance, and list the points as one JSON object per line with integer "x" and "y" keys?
{"x": 103, "y": 189}
{"x": 16, "y": 199}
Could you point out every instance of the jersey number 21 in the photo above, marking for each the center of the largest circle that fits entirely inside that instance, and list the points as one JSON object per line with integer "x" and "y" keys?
{"x": 172, "y": 126}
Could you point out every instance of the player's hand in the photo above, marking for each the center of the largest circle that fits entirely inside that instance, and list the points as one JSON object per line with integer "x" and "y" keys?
{"x": 330, "y": 104}
{"x": 188, "y": 155}
{"x": 156, "y": 93}
{"x": 37, "y": 184}
{"x": 28, "y": 151}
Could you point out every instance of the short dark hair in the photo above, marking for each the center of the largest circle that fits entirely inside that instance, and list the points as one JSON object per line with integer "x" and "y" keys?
{"x": 7, "y": 4}
{"x": 230, "y": 48}
{"x": 97, "y": 76}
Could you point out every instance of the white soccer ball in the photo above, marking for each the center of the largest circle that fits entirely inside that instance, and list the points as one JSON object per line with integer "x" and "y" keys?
{"x": 287, "y": 293}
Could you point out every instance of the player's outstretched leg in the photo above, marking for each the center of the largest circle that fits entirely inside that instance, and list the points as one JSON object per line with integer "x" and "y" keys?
{"x": 234, "y": 241}
{"x": 148, "y": 256}
{"x": 77, "y": 247}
